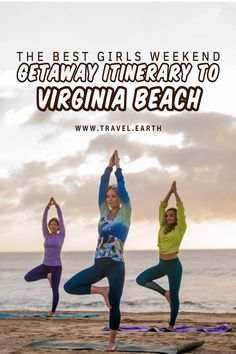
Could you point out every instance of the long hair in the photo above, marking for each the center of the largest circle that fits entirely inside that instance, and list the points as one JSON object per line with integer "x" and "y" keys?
{"x": 169, "y": 228}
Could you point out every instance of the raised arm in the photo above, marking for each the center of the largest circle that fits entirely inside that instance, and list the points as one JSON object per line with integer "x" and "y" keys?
{"x": 174, "y": 191}
{"x": 166, "y": 199}
{"x": 44, "y": 221}
{"x": 181, "y": 219}
{"x": 163, "y": 206}
{"x": 123, "y": 194}
{"x": 104, "y": 182}
{"x": 60, "y": 218}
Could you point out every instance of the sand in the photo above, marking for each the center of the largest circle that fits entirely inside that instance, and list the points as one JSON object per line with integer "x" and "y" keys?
{"x": 17, "y": 333}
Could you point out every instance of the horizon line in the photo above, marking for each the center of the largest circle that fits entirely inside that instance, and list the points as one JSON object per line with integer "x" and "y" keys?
{"x": 130, "y": 250}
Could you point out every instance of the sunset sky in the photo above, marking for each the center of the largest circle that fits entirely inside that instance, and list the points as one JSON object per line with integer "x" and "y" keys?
{"x": 42, "y": 155}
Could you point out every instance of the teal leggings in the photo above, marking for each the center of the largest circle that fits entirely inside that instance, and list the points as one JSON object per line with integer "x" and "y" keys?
{"x": 173, "y": 270}
{"x": 80, "y": 284}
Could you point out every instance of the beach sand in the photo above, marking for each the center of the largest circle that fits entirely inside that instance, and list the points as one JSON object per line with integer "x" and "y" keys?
{"x": 17, "y": 333}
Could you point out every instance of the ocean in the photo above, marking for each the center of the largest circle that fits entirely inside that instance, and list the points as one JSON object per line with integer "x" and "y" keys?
{"x": 208, "y": 283}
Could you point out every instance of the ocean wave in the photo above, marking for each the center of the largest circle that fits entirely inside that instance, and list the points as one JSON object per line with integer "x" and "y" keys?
{"x": 204, "y": 284}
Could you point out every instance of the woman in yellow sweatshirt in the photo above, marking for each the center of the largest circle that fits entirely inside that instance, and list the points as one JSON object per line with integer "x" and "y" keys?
{"x": 172, "y": 229}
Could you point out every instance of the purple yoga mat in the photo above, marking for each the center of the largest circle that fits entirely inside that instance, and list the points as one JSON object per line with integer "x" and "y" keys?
{"x": 183, "y": 329}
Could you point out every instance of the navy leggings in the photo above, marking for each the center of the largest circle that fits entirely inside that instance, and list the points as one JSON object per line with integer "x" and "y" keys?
{"x": 80, "y": 284}
{"x": 173, "y": 270}
{"x": 41, "y": 272}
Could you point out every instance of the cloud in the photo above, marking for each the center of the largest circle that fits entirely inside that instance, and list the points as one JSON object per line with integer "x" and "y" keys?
{"x": 38, "y": 117}
{"x": 205, "y": 173}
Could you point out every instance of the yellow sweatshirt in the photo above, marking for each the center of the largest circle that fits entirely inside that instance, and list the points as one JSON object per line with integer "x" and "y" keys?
{"x": 170, "y": 242}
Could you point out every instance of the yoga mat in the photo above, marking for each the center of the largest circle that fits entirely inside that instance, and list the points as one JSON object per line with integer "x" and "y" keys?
{"x": 121, "y": 347}
{"x": 219, "y": 329}
{"x": 59, "y": 315}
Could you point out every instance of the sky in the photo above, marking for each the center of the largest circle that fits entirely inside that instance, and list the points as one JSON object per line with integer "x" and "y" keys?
{"x": 42, "y": 155}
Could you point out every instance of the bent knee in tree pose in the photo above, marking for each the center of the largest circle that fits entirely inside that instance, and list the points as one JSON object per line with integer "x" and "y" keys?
{"x": 172, "y": 228}
{"x": 51, "y": 268}
{"x": 113, "y": 227}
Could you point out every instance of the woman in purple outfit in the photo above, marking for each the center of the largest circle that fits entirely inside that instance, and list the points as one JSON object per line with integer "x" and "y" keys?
{"x": 51, "y": 268}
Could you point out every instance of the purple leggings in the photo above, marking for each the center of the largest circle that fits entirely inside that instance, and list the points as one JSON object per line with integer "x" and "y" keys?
{"x": 41, "y": 272}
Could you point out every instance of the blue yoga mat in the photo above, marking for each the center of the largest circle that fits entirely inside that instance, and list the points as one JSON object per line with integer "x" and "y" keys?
{"x": 58, "y": 315}
{"x": 218, "y": 329}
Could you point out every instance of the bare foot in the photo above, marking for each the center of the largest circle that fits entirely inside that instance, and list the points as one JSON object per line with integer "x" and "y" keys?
{"x": 102, "y": 290}
{"x": 51, "y": 314}
{"x": 167, "y": 296}
{"x": 111, "y": 347}
{"x": 49, "y": 276}
{"x": 170, "y": 327}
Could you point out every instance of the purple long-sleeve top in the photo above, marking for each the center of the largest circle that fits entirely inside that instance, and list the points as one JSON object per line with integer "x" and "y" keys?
{"x": 53, "y": 244}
